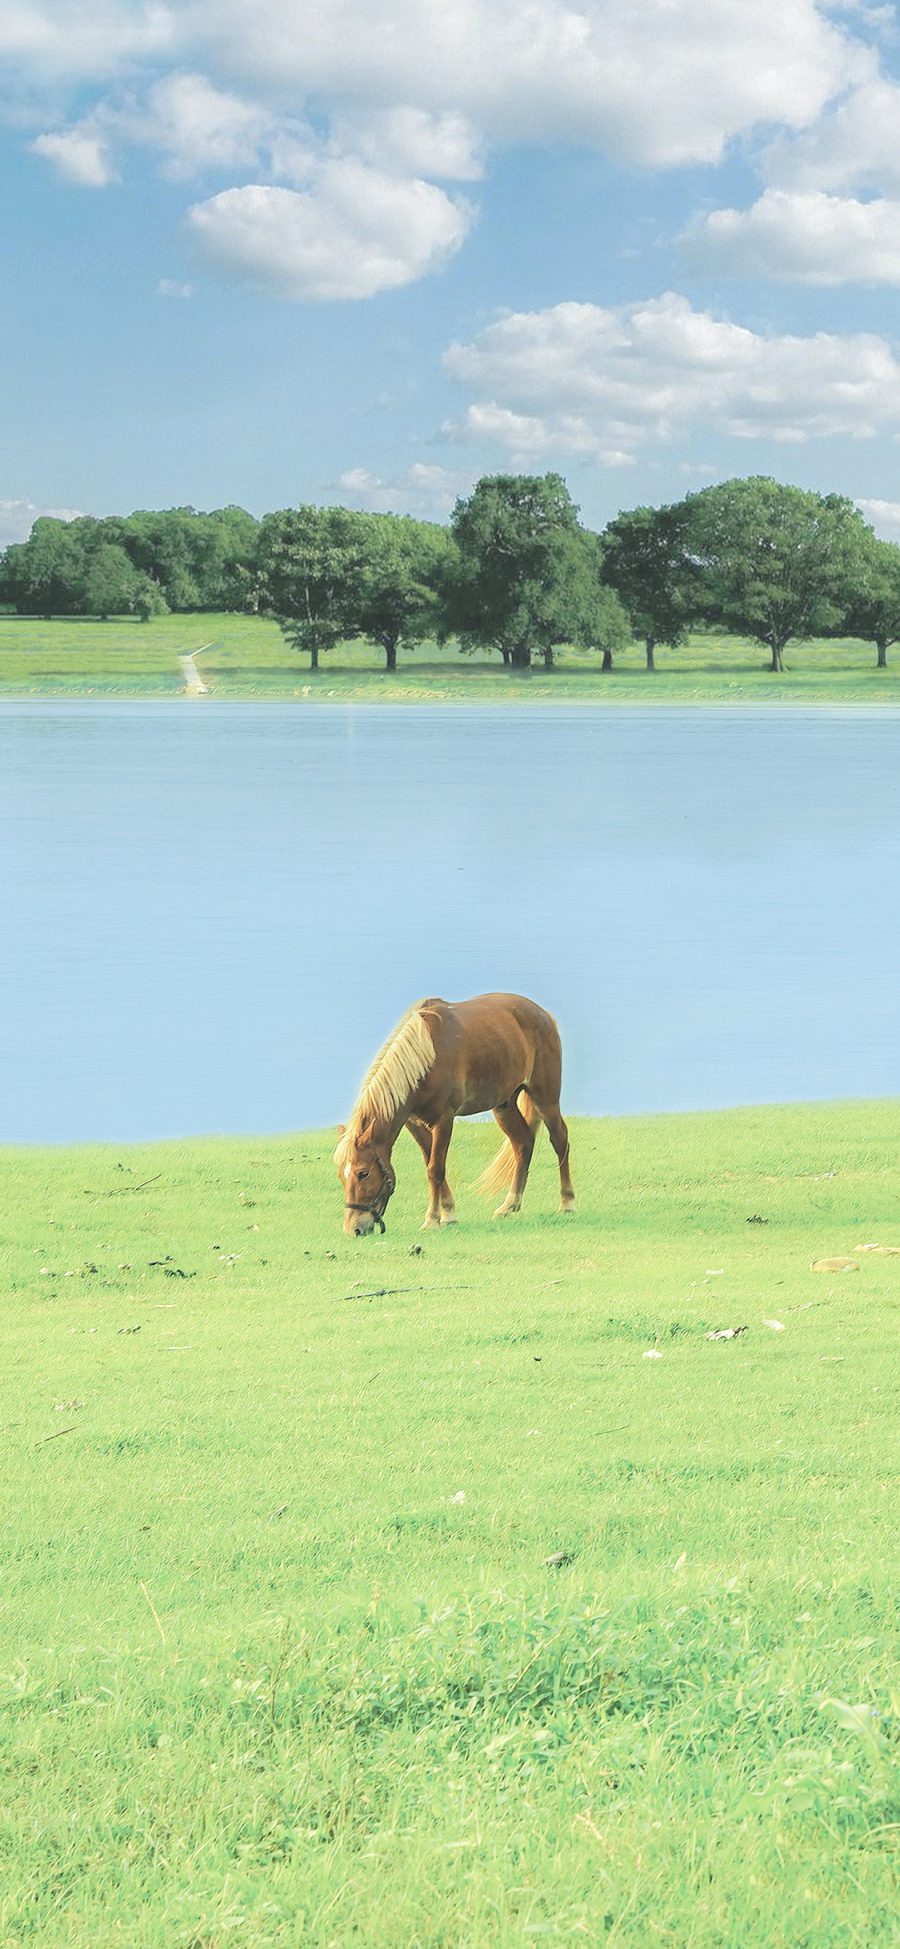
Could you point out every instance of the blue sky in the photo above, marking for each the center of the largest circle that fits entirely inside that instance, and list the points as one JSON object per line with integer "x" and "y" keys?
{"x": 368, "y": 250}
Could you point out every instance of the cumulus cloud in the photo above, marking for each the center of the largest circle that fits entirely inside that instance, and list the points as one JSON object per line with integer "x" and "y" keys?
{"x": 79, "y": 155}
{"x": 854, "y": 146}
{"x": 199, "y": 127}
{"x": 571, "y": 70}
{"x": 884, "y": 517}
{"x": 17, "y": 518}
{"x": 552, "y": 69}
{"x": 419, "y": 93}
{"x": 424, "y": 489}
{"x": 58, "y": 42}
{"x": 604, "y": 383}
{"x": 355, "y": 232}
{"x": 808, "y": 238}
{"x": 413, "y": 142}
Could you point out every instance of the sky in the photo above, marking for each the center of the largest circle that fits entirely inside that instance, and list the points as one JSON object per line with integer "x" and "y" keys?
{"x": 367, "y": 250}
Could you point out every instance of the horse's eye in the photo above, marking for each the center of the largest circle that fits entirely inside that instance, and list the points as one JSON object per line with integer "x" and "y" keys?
{"x": 362, "y": 1174}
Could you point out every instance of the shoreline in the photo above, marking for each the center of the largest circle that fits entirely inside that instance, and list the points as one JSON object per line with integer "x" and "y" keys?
{"x": 335, "y": 701}
{"x": 324, "y": 1133}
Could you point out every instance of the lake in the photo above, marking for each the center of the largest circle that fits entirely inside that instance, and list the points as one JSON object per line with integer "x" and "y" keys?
{"x": 214, "y": 913}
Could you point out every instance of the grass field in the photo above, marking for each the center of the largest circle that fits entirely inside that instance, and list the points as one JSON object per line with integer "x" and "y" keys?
{"x": 283, "y": 1663}
{"x": 247, "y": 656}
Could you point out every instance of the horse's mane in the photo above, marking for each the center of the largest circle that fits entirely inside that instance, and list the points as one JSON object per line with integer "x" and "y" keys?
{"x": 392, "y": 1077}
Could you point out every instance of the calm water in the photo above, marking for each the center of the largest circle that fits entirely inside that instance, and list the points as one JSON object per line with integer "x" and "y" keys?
{"x": 212, "y": 914}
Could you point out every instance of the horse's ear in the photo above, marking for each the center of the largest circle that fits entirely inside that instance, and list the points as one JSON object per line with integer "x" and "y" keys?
{"x": 342, "y": 1130}
{"x": 365, "y": 1136}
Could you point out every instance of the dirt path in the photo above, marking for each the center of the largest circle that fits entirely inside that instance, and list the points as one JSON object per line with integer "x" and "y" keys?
{"x": 194, "y": 684}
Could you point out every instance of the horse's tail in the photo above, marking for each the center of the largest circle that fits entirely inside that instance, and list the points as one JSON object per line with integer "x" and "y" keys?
{"x": 500, "y": 1172}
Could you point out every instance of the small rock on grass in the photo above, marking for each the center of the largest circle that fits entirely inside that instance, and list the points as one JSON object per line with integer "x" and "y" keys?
{"x": 834, "y": 1265}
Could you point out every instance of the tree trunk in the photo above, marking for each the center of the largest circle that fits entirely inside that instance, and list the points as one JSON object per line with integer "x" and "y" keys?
{"x": 777, "y": 663}
{"x": 607, "y": 663}
{"x": 314, "y": 656}
{"x": 547, "y": 655}
{"x": 389, "y": 644}
{"x": 521, "y": 656}
{"x": 651, "y": 646}
{"x": 882, "y": 663}
{"x": 507, "y": 658}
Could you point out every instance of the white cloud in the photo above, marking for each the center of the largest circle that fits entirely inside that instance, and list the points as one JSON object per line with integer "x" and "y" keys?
{"x": 854, "y": 146}
{"x": 657, "y": 83}
{"x": 884, "y": 517}
{"x": 424, "y": 489}
{"x": 604, "y": 383}
{"x": 56, "y": 42}
{"x": 412, "y": 141}
{"x": 79, "y": 155}
{"x": 355, "y": 232}
{"x": 17, "y": 519}
{"x": 807, "y": 238}
{"x": 170, "y": 287}
{"x": 198, "y": 126}
{"x": 530, "y": 437}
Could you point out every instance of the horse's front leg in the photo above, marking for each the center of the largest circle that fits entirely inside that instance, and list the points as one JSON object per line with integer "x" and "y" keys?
{"x": 441, "y": 1209}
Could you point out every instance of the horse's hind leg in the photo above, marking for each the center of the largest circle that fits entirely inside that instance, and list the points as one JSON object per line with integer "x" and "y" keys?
{"x": 521, "y": 1137}
{"x": 559, "y": 1137}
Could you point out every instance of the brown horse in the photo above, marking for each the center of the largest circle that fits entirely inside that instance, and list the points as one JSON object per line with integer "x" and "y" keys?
{"x": 447, "y": 1060}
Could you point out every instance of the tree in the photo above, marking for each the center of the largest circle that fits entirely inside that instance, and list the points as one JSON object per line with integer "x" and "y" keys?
{"x": 200, "y": 561}
{"x": 111, "y": 585}
{"x": 598, "y": 618}
{"x": 873, "y": 610}
{"x": 44, "y": 572}
{"x": 404, "y": 568}
{"x": 774, "y": 562}
{"x": 644, "y": 561}
{"x": 149, "y": 599}
{"x": 311, "y": 566}
{"x": 512, "y": 587}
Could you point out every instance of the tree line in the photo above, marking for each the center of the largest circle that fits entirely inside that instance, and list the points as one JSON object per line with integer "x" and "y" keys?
{"x": 515, "y": 571}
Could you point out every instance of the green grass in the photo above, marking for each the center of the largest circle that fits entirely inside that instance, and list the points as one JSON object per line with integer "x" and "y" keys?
{"x": 282, "y": 1661}
{"x": 247, "y": 656}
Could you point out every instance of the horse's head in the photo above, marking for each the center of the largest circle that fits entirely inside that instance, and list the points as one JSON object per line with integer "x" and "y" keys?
{"x": 368, "y": 1182}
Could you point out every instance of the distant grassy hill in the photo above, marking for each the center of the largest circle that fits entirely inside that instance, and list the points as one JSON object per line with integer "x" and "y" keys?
{"x": 390, "y": 1592}
{"x": 247, "y": 656}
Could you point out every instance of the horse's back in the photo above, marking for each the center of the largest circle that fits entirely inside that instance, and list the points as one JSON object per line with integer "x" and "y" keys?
{"x": 528, "y": 1015}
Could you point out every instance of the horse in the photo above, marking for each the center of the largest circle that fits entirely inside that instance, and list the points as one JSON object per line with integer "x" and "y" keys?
{"x": 446, "y": 1060}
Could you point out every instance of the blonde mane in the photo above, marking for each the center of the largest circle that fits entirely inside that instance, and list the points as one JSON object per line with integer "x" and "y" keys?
{"x": 392, "y": 1077}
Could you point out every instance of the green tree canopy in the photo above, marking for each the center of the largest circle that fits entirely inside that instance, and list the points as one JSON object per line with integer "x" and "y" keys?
{"x": 311, "y": 568}
{"x": 873, "y": 609}
{"x": 404, "y": 569}
{"x": 513, "y": 584}
{"x": 774, "y": 562}
{"x": 645, "y": 562}
{"x": 597, "y": 618}
{"x": 112, "y": 584}
{"x": 44, "y": 574}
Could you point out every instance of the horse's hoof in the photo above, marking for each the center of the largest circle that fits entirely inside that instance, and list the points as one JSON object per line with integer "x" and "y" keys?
{"x": 507, "y": 1211}
{"x": 450, "y": 1219}
{"x": 429, "y": 1225}
{"x": 569, "y": 1209}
